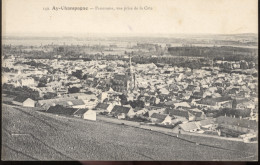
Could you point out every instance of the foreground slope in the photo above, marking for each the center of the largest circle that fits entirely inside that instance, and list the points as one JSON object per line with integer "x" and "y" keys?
{"x": 33, "y": 135}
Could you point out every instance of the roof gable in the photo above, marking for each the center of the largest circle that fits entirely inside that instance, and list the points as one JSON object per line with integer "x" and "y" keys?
{"x": 58, "y": 109}
{"x": 102, "y": 106}
{"x": 159, "y": 116}
{"x": 120, "y": 109}
{"x": 177, "y": 112}
{"x": 80, "y": 112}
{"x": 77, "y": 102}
{"x": 189, "y": 126}
{"x": 21, "y": 99}
{"x": 206, "y": 122}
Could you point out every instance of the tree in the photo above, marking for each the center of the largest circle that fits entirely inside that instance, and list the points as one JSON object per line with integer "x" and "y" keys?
{"x": 73, "y": 90}
{"x": 234, "y": 112}
{"x": 123, "y": 99}
{"x": 137, "y": 103}
{"x": 85, "y": 76}
{"x": 234, "y": 104}
{"x": 8, "y": 87}
{"x": 49, "y": 95}
{"x": 43, "y": 80}
{"x": 34, "y": 95}
{"x": 77, "y": 74}
{"x": 42, "y": 84}
{"x": 61, "y": 49}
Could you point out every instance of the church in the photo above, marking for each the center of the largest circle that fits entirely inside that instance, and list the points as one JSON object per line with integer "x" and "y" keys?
{"x": 124, "y": 82}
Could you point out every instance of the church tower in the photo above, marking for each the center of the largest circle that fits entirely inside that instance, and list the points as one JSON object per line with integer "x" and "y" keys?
{"x": 131, "y": 76}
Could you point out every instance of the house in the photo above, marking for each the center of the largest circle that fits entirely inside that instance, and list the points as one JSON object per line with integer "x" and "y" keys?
{"x": 176, "y": 120}
{"x": 182, "y": 104}
{"x": 199, "y": 115}
{"x": 164, "y": 91}
{"x": 238, "y": 124}
{"x": 160, "y": 118}
{"x": 79, "y": 113}
{"x": 26, "y": 82}
{"x": 141, "y": 112}
{"x": 216, "y": 103}
{"x": 90, "y": 101}
{"x": 86, "y": 114}
{"x": 153, "y": 109}
{"x": 90, "y": 115}
{"x": 245, "y": 103}
{"x": 198, "y": 95}
{"x": 24, "y": 101}
{"x": 46, "y": 106}
{"x": 66, "y": 102}
{"x": 190, "y": 88}
{"x": 103, "y": 96}
{"x": 77, "y": 103}
{"x": 61, "y": 110}
{"x": 104, "y": 107}
{"x": 122, "y": 111}
{"x": 207, "y": 124}
{"x": 187, "y": 127}
{"x": 179, "y": 113}
{"x": 148, "y": 100}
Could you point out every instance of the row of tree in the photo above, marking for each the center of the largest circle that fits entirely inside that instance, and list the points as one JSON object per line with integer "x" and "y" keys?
{"x": 21, "y": 91}
{"x": 79, "y": 75}
{"x": 133, "y": 104}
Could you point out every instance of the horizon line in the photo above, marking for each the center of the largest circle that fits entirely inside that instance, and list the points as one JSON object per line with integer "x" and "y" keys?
{"x": 79, "y": 35}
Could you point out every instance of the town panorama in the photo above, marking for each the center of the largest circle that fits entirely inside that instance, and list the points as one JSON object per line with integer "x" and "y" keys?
{"x": 183, "y": 97}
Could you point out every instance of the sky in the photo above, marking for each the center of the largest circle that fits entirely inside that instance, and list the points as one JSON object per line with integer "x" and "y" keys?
{"x": 27, "y": 17}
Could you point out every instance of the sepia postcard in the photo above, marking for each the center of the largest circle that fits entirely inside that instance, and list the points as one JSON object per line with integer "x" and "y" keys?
{"x": 121, "y": 80}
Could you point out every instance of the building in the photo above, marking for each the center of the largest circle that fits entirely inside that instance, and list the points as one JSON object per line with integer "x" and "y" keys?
{"x": 207, "y": 124}
{"x": 90, "y": 101}
{"x": 126, "y": 82}
{"x": 237, "y": 124}
{"x": 161, "y": 118}
{"x": 85, "y": 114}
{"x": 187, "y": 127}
{"x": 90, "y": 115}
{"x": 26, "y": 82}
{"x": 122, "y": 112}
{"x": 24, "y": 101}
{"x": 101, "y": 107}
{"x": 79, "y": 113}
{"x": 61, "y": 110}
{"x": 215, "y": 103}
{"x": 103, "y": 96}
{"x": 179, "y": 113}
{"x": 182, "y": 104}
{"x": 199, "y": 115}
{"x": 119, "y": 83}
{"x": 77, "y": 103}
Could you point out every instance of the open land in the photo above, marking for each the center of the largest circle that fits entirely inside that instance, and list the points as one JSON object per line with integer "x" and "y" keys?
{"x": 33, "y": 135}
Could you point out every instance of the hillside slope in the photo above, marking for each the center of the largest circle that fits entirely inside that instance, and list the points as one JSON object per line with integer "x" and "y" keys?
{"x": 33, "y": 135}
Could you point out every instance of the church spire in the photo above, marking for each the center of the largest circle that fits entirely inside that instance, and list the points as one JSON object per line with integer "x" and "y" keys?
{"x": 131, "y": 78}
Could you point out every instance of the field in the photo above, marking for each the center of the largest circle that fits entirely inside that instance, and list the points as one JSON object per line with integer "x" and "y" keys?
{"x": 32, "y": 135}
